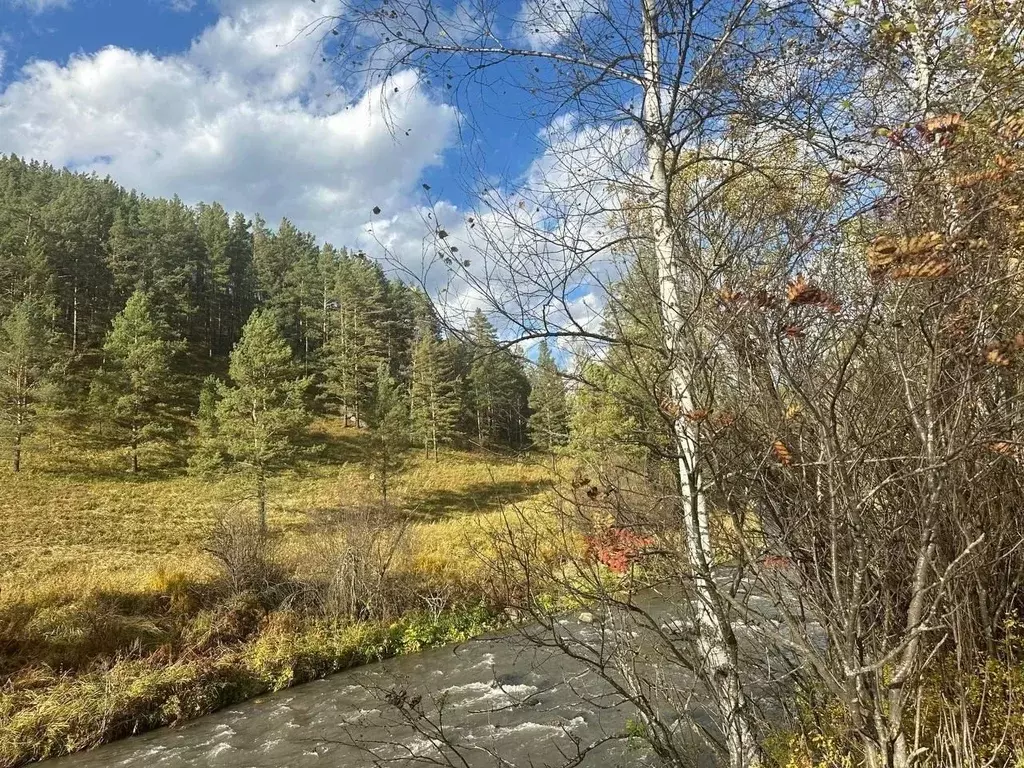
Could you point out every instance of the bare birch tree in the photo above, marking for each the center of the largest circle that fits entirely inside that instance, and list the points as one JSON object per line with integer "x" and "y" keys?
{"x": 647, "y": 88}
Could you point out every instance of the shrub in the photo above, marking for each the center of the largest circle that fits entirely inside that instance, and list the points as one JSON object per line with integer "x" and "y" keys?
{"x": 240, "y": 544}
{"x": 617, "y": 548}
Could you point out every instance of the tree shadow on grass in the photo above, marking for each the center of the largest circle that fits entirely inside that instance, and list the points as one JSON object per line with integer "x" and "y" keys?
{"x": 323, "y": 447}
{"x": 478, "y": 497}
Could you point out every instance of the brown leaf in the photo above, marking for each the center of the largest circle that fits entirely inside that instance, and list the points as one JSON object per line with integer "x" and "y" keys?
{"x": 782, "y": 453}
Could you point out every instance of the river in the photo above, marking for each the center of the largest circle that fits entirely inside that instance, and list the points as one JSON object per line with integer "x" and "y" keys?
{"x": 506, "y": 700}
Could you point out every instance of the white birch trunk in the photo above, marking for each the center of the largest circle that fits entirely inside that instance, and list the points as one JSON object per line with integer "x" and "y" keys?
{"x": 716, "y": 642}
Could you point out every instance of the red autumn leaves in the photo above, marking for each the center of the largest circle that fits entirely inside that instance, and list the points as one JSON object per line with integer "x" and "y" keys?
{"x": 617, "y": 548}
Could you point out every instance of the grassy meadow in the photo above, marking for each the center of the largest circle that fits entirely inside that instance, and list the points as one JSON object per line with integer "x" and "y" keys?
{"x": 114, "y": 618}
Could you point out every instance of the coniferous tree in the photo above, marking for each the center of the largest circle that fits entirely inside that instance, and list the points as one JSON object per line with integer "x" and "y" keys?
{"x": 433, "y": 393}
{"x": 215, "y": 275}
{"x": 498, "y": 387}
{"x": 261, "y": 415}
{"x": 133, "y": 388}
{"x": 27, "y": 351}
{"x": 549, "y": 416}
{"x": 241, "y": 297}
{"x": 388, "y": 418}
{"x": 358, "y": 344}
{"x": 208, "y": 455}
{"x": 75, "y": 223}
{"x": 485, "y": 377}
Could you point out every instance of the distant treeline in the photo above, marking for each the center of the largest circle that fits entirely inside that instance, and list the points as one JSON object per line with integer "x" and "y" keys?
{"x": 77, "y": 247}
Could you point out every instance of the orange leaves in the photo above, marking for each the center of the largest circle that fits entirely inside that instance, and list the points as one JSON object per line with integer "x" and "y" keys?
{"x": 801, "y": 292}
{"x": 1005, "y": 162}
{"x": 941, "y": 129}
{"x": 714, "y": 418}
{"x": 671, "y": 409}
{"x": 943, "y": 123}
{"x": 733, "y": 298}
{"x": 1004, "y": 353}
{"x": 1003, "y": 448}
{"x": 782, "y": 453}
{"x": 930, "y": 269}
{"x": 908, "y": 257}
{"x": 728, "y": 296}
{"x": 1005, "y": 167}
{"x": 973, "y": 179}
{"x": 885, "y": 250}
{"x": 1010, "y": 128}
{"x": 996, "y": 356}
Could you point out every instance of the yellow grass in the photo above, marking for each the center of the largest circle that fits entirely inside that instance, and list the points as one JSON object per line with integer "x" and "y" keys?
{"x": 108, "y": 600}
{"x": 74, "y": 520}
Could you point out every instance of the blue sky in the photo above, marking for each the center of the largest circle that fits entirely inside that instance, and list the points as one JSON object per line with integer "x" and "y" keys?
{"x": 54, "y": 30}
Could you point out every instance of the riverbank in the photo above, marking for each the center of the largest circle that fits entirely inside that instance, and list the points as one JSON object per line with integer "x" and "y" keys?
{"x": 115, "y": 618}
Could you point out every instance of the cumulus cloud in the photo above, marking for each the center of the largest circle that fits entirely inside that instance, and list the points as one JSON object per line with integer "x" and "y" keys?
{"x": 536, "y": 252}
{"x": 242, "y": 117}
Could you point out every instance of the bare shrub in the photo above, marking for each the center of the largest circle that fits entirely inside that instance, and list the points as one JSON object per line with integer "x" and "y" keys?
{"x": 242, "y": 548}
{"x": 351, "y": 571}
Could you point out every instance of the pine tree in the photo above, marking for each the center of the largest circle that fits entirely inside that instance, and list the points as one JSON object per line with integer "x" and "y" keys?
{"x": 548, "y": 424}
{"x": 208, "y": 455}
{"x": 358, "y": 341}
{"x": 133, "y": 387}
{"x": 434, "y": 396}
{"x": 27, "y": 351}
{"x": 389, "y": 439}
{"x": 261, "y": 414}
{"x": 484, "y": 377}
{"x": 215, "y": 278}
{"x": 498, "y": 387}
{"x": 241, "y": 299}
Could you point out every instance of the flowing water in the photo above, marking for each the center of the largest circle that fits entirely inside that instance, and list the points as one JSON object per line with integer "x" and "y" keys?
{"x": 504, "y": 697}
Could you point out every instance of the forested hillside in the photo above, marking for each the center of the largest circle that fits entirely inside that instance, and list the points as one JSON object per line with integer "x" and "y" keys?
{"x": 75, "y": 249}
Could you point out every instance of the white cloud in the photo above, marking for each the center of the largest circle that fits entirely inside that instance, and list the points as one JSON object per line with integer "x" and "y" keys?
{"x": 533, "y": 252}
{"x": 3, "y": 61}
{"x": 242, "y": 117}
{"x": 39, "y": 6}
{"x": 546, "y": 23}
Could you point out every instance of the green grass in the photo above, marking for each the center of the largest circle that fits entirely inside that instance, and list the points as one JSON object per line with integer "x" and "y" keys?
{"x": 113, "y": 619}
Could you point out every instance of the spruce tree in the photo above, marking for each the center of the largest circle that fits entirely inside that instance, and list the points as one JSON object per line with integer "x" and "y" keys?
{"x": 485, "y": 377}
{"x": 133, "y": 387}
{"x": 435, "y": 405}
{"x": 548, "y": 423}
{"x": 389, "y": 423}
{"x": 27, "y": 351}
{"x": 261, "y": 415}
